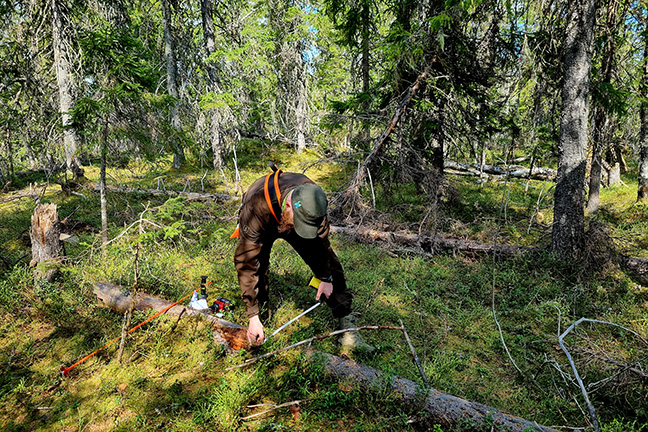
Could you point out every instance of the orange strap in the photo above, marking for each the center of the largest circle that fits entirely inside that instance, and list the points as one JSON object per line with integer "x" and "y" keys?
{"x": 277, "y": 193}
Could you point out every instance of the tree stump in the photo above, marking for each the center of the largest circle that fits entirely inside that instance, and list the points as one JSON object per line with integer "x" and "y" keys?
{"x": 47, "y": 248}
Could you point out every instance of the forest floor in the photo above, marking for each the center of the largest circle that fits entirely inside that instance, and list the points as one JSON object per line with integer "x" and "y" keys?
{"x": 485, "y": 327}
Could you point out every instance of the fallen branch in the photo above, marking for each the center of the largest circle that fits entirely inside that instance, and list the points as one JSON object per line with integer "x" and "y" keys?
{"x": 310, "y": 340}
{"x": 190, "y": 196}
{"x": 561, "y": 338}
{"x": 416, "y": 359}
{"x": 274, "y": 407}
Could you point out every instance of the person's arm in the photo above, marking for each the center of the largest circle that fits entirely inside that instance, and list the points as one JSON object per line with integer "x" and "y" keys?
{"x": 246, "y": 261}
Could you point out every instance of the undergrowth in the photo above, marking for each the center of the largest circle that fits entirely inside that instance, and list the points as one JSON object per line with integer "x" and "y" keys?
{"x": 174, "y": 376}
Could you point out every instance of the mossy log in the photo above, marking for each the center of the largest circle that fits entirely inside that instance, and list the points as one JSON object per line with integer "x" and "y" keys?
{"x": 231, "y": 335}
{"x": 437, "y": 407}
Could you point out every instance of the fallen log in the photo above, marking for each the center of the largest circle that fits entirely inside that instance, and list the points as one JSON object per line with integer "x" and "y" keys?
{"x": 231, "y": 335}
{"x": 516, "y": 171}
{"x": 429, "y": 244}
{"x": 636, "y": 268}
{"x": 439, "y": 407}
{"x": 190, "y": 196}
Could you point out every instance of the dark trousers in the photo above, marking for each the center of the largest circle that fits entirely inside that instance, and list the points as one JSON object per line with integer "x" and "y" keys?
{"x": 341, "y": 298}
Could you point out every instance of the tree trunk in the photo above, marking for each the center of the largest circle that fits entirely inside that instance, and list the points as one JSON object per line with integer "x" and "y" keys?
{"x": 47, "y": 248}
{"x": 601, "y": 127}
{"x": 366, "y": 64}
{"x": 569, "y": 197}
{"x": 218, "y": 149}
{"x": 642, "y": 192}
{"x": 63, "y": 79}
{"x": 172, "y": 86}
{"x": 102, "y": 188}
{"x": 600, "y": 120}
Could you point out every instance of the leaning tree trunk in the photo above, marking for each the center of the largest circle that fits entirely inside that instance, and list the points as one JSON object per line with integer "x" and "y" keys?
{"x": 642, "y": 192}
{"x": 172, "y": 86}
{"x": 63, "y": 80}
{"x": 47, "y": 248}
{"x": 569, "y": 196}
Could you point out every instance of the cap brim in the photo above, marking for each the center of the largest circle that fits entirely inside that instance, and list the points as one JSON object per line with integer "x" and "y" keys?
{"x": 303, "y": 228}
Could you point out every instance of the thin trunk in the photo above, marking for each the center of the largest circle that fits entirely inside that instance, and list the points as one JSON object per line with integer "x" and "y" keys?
{"x": 63, "y": 79}
{"x": 569, "y": 196}
{"x": 600, "y": 120}
{"x": 601, "y": 117}
{"x": 365, "y": 66}
{"x": 10, "y": 156}
{"x": 172, "y": 86}
{"x": 642, "y": 192}
{"x": 102, "y": 188}
{"x": 217, "y": 145}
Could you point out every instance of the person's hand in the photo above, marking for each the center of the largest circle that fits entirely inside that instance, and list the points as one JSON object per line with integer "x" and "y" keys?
{"x": 255, "y": 331}
{"x": 326, "y": 289}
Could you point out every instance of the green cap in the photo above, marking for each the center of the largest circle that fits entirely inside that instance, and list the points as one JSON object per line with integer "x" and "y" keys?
{"x": 309, "y": 206}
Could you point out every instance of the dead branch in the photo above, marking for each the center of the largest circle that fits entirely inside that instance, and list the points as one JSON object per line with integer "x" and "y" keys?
{"x": 273, "y": 408}
{"x": 561, "y": 338}
{"x": 310, "y": 340}
{"x": 351, "y": 192}
{"x": 416, "y": 359}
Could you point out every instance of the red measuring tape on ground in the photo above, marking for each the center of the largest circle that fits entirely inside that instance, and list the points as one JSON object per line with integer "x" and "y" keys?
{"x": 66, "y": 371}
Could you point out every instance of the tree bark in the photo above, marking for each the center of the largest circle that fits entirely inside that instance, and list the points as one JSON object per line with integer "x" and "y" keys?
{"x": 47, "y": 248}
{"x": 217, "y": 146}
{"x": 172, "y": 86}
{"x": 642, "y": 192}
{"x": 64, "y": 83}
{"x": 601, "y": 117}
{"x": 102, "y": 188}
{"x": 439, "y": 407}
{"x": 569, "y": 196}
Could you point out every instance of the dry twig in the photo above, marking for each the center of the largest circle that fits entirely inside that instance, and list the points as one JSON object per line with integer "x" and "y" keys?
{"x": 416, "y": 359}
{"x": 309, "y": 340}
